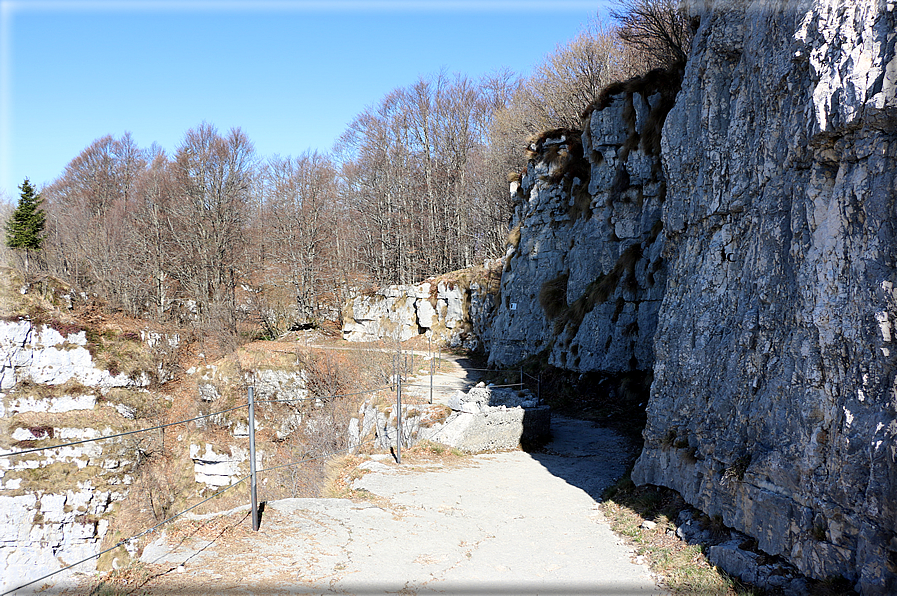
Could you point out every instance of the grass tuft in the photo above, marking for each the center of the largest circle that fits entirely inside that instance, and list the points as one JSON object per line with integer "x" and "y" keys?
{"x": 683, "y": 567}
{"x": 553, "y": 296}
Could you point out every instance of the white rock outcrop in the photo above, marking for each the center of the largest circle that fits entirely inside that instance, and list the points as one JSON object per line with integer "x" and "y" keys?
{"x": 487, "y": 419}
{"x": 44, "y": 356}
{"x": 454, "y": 312}
{"x": 220, "y": 469}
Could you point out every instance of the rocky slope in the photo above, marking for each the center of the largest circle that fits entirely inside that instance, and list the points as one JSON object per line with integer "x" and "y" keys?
{"x": 69, "y": 374}
{"x": 56, "y": 505}
{"x": 773, "y": 403}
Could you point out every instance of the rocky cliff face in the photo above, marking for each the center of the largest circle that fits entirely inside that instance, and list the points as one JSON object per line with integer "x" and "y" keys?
{"x": 56, "y": 505}
{"x": 456, "y": 308}
{"x": 773, "y": 403}
{"x": 584, "y": 277}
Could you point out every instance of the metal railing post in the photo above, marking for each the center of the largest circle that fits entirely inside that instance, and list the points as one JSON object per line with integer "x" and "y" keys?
{"x": 432, "y": 370}
{"x": 539, "y": 388}
{"x": 253, "y": 494}
{"x": 399, "y": 420}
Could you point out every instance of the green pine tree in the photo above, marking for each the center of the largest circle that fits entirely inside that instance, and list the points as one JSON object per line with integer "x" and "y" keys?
{"x": 25, "y": 228}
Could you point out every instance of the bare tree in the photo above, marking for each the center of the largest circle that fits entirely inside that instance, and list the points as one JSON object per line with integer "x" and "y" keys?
{"x": 660, "y": 29}
{"x": 414, "y": 169}
{"x": 299, "y": 223}
{"x": 153, "y": 247}
{"x": 573, "y": 75}
{"x": 88, "y": 218}
{"x": 213, "y": 175}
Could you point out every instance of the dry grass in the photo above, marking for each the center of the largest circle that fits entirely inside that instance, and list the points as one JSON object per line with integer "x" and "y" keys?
{"x": 553, "y": 296}
{"x": 343, "y": 470}
{"x": 431, "y": 452}
{"x": 514, "y": 236}
{"x": 341, "y": 473}
{"x": 119, "y": 582}
{"x": 599, "y": 291}
{"x": 666, "y": 82}
{"x": 683, "y": 567}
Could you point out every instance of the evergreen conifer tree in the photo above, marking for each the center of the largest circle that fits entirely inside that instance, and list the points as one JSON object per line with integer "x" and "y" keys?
{"x": 24, "y": 230}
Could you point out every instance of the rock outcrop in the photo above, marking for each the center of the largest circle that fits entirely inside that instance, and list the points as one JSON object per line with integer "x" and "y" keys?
{"x": 773, "y": 403}
{"x": 484, "y": 419}
{"x": 584, "y": 277}
{"x": 41, "y": 354}
{"x": 456, "y": 308}
{"x": 489, "y": 419}
{"x": 56, "y": 504}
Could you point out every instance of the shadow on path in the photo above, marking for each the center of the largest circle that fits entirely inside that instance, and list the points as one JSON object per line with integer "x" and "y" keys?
{"x": 587, "y": 456}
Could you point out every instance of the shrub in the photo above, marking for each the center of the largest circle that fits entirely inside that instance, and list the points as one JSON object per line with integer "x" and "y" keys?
{"x": 553, "y": 296}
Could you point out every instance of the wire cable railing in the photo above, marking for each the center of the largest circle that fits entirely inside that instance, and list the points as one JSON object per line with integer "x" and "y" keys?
{"x": 252, "y": 476}
{"x": 122, "y": 434}
{"x": 157, "y": 427}
{"x": 129, "y": 539}
{"x": 320, "y": 399}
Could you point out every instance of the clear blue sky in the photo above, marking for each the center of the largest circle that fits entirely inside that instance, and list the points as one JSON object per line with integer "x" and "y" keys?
{"x": 291, "y": 73}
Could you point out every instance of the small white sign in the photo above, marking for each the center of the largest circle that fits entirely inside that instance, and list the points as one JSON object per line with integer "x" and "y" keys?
{"x": 513, "y": 306}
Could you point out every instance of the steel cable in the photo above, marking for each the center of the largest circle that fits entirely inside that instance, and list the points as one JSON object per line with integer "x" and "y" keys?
{"x": 126, "y": 540}
{"x": 124, "y": 434}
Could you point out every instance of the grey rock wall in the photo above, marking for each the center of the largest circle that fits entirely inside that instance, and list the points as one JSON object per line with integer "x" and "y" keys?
{"x": 584, "y": 277}
{"x": 773, "y": 403}
{"x": 456, "y": 310}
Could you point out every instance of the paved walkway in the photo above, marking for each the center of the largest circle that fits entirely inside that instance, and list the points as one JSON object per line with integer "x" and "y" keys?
{"x": 452, "y": 373}
{"x": 510, "y": 523}
{"x": 503, "y": 523}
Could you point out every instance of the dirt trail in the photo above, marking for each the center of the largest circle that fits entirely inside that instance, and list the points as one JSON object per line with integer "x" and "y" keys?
{"x": 501, "y": 523}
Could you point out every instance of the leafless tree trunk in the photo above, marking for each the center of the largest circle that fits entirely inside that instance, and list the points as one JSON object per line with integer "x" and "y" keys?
{"x": 298, "y": 218}
{"x": 213, "y": 176}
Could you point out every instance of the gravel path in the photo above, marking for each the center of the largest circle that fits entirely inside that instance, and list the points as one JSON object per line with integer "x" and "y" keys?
{"x": 501, "y": 523}
{"x": 509, "y": 523}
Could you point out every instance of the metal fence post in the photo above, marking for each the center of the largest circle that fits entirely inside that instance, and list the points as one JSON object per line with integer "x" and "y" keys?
{"x": 432, "y": 370}
{"x": 399, "y": 420}
{"x": 253, "y": 495}
{"x": 521, "y": 379}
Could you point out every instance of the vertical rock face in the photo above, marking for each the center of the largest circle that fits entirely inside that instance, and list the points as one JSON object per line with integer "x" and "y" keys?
{"x": 774, "y": 395}
{"x": 584, "y": 277}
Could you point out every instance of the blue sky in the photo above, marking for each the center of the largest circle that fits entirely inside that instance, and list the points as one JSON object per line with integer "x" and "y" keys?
{"x": 291, "y": 73}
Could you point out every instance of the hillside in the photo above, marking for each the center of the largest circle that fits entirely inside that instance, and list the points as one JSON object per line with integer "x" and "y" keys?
{"x": 73, "y": 372}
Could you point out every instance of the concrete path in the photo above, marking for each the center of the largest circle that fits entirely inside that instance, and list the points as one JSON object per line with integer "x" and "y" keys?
{"x": 503, "y": 523}
{"x": 509, "y": 523}
{"x": 452, "y": 373}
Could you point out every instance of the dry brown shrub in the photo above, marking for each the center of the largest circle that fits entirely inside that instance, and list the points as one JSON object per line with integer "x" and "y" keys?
{"x": 553, "y": 296}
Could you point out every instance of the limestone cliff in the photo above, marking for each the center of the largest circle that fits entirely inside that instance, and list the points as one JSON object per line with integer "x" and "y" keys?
{"x": 584, "y": 277}
{"x": 456, "y": 308}
{"x": 773, "y": 403}
{"x": 748, "y": 257}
